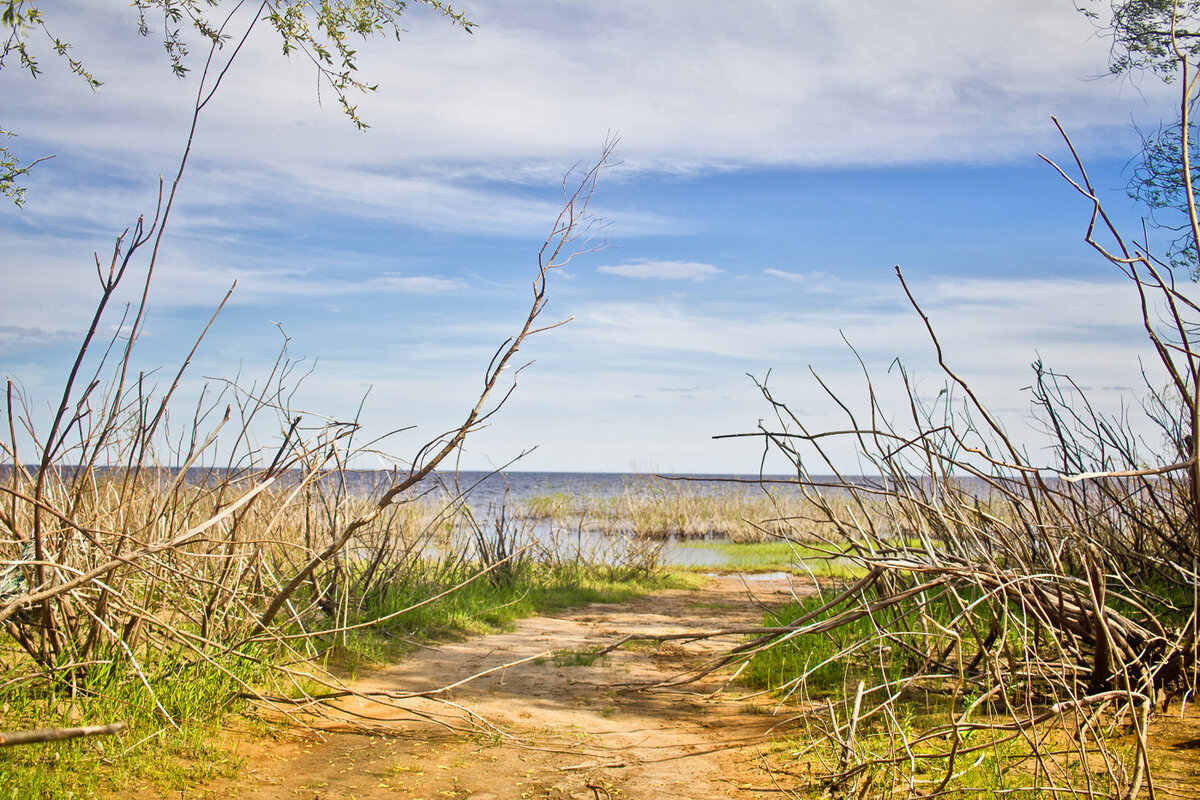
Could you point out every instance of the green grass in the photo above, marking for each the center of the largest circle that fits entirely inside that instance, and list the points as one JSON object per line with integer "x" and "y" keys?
{"x": 481, "y": 607}
{"x": 575, "y": 658}
{"x": 768, "y": 557}
{"x": 150, "y": 750}
{"x": 200, "y": 697}
{"x": 832, "y": 661}
{"x": 829, "y": 666}
{"x": 811, "y": 658}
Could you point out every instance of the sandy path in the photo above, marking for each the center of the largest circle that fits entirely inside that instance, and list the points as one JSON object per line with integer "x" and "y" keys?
{"x": 567, "y": 732}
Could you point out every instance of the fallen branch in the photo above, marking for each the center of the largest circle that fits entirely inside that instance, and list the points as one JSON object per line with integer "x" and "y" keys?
{"x": 38, "y": 735}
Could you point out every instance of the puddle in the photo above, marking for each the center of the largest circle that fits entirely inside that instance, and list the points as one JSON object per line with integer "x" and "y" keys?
{"x": 763, "y": 577}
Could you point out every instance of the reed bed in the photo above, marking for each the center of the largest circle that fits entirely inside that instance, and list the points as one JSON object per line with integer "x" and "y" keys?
{"x": 1015, "y": 627}
{"x": 663, "y": 509}
{"x": 160, "y": 568}
{"x": 1012, "y": 631}
{"x": 176, "y": 644}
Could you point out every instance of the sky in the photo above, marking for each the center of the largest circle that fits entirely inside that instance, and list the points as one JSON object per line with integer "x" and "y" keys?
{"x": 776, "y": 162}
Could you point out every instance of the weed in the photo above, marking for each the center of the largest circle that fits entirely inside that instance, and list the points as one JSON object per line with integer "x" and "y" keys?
{"x": 575, "y": 658}
{"x": 775, "y": 556}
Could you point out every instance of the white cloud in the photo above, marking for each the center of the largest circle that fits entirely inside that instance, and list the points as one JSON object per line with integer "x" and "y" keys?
{"x": 990, "y": 332}
{"x": 535, "y": 87}
{"x": 662, "y": 270}
{"x": 59, "y": 289}
{"x": 189, "y": 284}
{"x": 414, "y": 284}
{"x": 787, "y": 276}
{"x": 814, "y": 279}
{"x": 1070, "y": 323}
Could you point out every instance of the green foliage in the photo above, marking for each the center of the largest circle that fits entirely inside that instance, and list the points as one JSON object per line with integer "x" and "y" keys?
{"x": 1153, "y": 35}
{"x": 197, "y": 695}
{"x": 322, "y": 32}
{"x": 19, "y": 18}
{"x": 1158, "y": 183}
{"x": 1142, "y": 34}
{"x": 821, "y": 662}
{"x": 10, "y": 171}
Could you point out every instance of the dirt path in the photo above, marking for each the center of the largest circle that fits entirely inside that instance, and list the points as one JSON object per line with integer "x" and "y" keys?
{"x": 560, "y": 731}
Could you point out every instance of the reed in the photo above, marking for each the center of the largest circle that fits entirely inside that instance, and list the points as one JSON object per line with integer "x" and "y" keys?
{"x": 174, "y": 646}
{"x": 659, "y": 508}
{"x": 1013, "y": 626}
{"x": 159, "y": 568}
{"x": 1019, "y": 628}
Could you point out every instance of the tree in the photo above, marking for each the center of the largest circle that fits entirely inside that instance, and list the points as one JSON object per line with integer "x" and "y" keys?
{"x": 1151, "y": 34}
{"x": 1162, "y": 37}
{"x": 321, "y": 32}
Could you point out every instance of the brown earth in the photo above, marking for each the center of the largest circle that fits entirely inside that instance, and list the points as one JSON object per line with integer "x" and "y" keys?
{"x": 546, "y": 728}
{"x": 541, "y": 728}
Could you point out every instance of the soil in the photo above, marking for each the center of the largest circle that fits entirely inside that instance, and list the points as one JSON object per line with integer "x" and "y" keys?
{"x": 545, "y": 727}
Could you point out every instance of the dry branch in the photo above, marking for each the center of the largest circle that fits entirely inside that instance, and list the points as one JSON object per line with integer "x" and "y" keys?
{"x": 39, "y": 735}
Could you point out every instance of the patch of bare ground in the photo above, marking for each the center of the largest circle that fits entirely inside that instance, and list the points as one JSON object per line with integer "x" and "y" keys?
{"x": 547, "y": 727}
{"x": 1175, "y": 753}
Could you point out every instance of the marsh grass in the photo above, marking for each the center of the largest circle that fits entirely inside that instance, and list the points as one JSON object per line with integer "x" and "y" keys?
{"x": 907, "y": 746}
{"x": 201, "y": 694}
{"x": 158, "y": 669}
{"x": 775, "y": 556}
{"x": 176, "y": 654}
{"x": 658, "y": 508}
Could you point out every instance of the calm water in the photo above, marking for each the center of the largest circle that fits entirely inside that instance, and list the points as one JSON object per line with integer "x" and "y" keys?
{"x": 487, "y": 493}
{"x": 492, "y": 488}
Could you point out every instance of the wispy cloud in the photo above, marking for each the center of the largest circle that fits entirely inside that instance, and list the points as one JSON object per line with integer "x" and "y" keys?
{"x": 1069, "y": 322}
{"x": 412, "y": 284}
{"x": 178, "y": 287}
{"x": 14, "y": 337}
{"x": 787, "y": 276}
{"x": 786, "y": 85}
{"x": 662, "y": 270}
{"x": 815, "y": 280}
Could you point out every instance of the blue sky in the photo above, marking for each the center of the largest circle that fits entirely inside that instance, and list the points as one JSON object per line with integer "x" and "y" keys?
{"x": 777, "y": 160}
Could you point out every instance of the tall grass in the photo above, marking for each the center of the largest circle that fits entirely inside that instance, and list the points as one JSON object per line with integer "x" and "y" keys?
{"x": 187, "y": 661}
{"x": 660, "y": 508}
{"x": 1032, "y": 618}
{"x": 159, "y": 569}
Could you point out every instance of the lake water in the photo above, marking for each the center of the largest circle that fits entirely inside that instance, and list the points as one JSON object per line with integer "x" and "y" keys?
{"x": 489, "y": 492}
{"x": 490, "y": 488}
